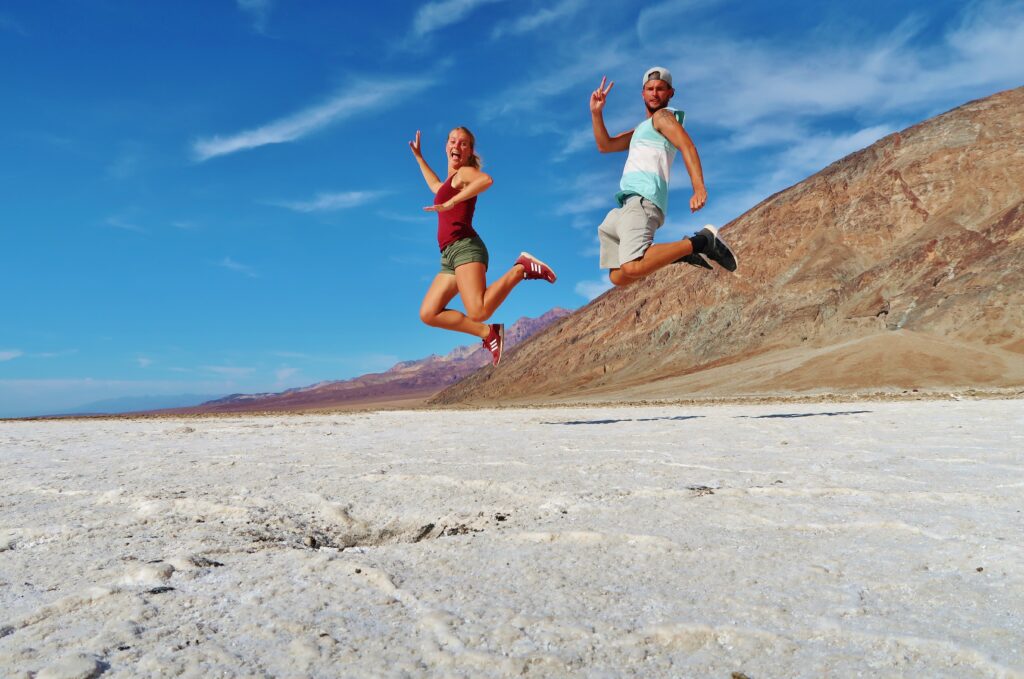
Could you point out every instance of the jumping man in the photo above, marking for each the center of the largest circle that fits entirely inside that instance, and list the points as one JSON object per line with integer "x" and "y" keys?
{"x": 627, "y": 233}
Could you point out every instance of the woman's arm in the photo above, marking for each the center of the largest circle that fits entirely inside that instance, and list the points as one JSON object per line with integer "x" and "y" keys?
{"x": 428, "y": 175}
{"x": 473, "y": 181}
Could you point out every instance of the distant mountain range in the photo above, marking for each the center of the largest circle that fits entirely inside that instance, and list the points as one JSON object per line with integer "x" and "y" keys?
{"x": 405, "y": 383}
{"x": 899, "y": 267}
{"x": 127, "y": 404}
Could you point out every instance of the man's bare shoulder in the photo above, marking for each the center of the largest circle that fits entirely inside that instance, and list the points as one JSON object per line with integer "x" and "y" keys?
{"x": 664, "y": 116}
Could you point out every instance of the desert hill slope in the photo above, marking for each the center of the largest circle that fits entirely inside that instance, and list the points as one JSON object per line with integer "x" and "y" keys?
{"x": 899, "y": 266}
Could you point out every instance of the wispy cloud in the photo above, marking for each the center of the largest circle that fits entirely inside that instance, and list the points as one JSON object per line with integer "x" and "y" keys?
{"x": 750, "y": 82}
{"x": 325, "y": 202}
{"x": 357, "y": 98}
{"x": 144, "y": 362}
{"x": 285, "y": 373}
{"x": 53, "y": 354}
{"x": 592, "y": 289}
{"x": 436, "y": 15}
{"x": 582, "y": 60}
{"x": 229, "y": 370}
{"x": 258, "y": 11}
{"x": 739, "y": 84}
{"x": 412, "y": 218}
{"x": 528, "y": 23}
{"x": 670, "y": 13}
{"x": 119, "y": 223}
{"x": 10, "y": 354}
{"x": 12, "y": 25}
{"x": 185, "y": 225}
{"x": 232, "y": 265}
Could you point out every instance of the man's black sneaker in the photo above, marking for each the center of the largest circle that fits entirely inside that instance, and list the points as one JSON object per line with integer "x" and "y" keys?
{"x": 694, "y": 260}
{"x": 716, "y": 250}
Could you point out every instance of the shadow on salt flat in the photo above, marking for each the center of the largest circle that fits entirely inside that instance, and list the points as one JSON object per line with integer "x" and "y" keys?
{"x": 629, "y": 419}
{"x": 842, "y": 412}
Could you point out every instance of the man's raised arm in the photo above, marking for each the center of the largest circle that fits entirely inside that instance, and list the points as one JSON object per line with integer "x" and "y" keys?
{"x": 605, "y": 142}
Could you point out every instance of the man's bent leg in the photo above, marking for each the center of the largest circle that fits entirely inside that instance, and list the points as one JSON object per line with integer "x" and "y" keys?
{"x": 619, "y": 279}
{"x": 655, "y": 257}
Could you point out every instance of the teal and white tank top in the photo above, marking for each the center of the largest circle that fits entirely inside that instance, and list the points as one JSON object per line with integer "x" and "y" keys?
{"x": 648, "y": 164}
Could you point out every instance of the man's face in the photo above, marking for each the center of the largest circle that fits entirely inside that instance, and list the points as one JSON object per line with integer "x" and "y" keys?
{"x": 657, "y": 94}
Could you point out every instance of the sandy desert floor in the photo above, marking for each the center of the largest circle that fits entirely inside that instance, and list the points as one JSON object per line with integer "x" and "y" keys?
{"x": 799, "y": 540}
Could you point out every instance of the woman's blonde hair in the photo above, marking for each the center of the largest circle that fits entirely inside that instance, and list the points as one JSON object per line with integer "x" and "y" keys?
{"x": 476, "y": 161}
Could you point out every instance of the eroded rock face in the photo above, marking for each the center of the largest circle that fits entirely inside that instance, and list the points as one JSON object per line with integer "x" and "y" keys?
{"x": 917, "y": 235}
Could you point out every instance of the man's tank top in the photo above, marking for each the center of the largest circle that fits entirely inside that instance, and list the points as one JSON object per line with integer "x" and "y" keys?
{"x": 649, "y": 163}
{"x": 455, "y": 223}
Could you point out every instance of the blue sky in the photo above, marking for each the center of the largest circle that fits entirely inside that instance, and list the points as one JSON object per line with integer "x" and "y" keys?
{"x": 218, "y": 196}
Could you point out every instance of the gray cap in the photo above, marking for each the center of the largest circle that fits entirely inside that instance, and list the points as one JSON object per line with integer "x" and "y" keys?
{"x": 658, "y": 73}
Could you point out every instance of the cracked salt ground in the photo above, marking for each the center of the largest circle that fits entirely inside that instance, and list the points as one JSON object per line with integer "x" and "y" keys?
{"x": 880, "y": 540}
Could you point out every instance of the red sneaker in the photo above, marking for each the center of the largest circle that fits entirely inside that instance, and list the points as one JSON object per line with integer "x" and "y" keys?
{"x": 495, "y": 341}
{"x": 535, "y": 268}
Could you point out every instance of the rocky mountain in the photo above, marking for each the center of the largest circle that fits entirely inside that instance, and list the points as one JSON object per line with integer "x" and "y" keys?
{"x": 407, "y": 382}
{"x": 900, "y": 266}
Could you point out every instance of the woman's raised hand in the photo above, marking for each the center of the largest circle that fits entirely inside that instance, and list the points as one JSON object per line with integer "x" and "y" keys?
{"x": 415, "y": 145}
{"x": 597, "y": 98}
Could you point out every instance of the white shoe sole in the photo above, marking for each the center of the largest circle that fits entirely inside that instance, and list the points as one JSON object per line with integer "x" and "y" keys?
{"x": 714, "y": 232}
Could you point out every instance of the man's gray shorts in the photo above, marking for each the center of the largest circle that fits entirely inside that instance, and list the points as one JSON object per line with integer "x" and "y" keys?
{"x": 628, "y": 231}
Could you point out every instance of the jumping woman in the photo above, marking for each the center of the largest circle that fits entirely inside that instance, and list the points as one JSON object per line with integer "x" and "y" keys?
{"x": 463, "y": 254}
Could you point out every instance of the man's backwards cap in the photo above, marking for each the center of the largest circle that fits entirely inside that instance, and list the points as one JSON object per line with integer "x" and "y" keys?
{"x": 658, "y": 73}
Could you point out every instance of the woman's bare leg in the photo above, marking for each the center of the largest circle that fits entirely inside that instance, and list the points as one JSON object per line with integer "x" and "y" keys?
{"x": 433, "y": 311}
{"x": 480, "y": 299}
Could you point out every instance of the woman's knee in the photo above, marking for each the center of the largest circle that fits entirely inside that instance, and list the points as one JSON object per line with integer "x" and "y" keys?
{"x": 477, "y": 313}
{"x": 428, "y": 316}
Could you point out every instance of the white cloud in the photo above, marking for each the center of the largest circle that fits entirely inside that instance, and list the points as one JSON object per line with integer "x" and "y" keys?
{"x": 592, "y": 289}
{"x": 814, "y": 152}
{"x": 413, "y": 218}
{"x": 582, "y": 60}
{"x": 359, "y": 97}
{"x": 670, "y": 13}
{"x": 127, "y": 162}
{"x": 144, "y": 362}
{"x": 10, "y": 354}
{"x": 229, "y": 371}
{"x": 232, "y": 265}
{"x": 765, "y": 91}
{"x": 601, "y": 199}
{"x": 8, "y": 23}
{"x": 258, "y": 11}
{"x": 740, "y": 83}
{"x": 436, "y": 15}
{"x": 324, "y": 202}
{"x": 119, "y": 223}
{"x": 531, "y": 22}
{"x": 53, "y": 354}
{"x": 284, "y": 373}
{"x": 589, "y": 192}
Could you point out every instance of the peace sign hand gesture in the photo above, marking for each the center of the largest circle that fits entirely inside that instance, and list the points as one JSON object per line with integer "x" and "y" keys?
{"x": 597, "y": 98}
{"x": 415, "y": 146}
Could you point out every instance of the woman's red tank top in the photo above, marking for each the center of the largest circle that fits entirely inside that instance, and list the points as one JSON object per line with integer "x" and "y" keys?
{"x": 455, "y": 223}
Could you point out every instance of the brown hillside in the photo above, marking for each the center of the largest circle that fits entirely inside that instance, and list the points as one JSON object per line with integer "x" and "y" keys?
{"x": 898, "y": 266}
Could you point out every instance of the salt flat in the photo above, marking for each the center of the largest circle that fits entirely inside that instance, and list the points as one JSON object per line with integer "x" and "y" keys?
{"x": 861, "y": 539}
